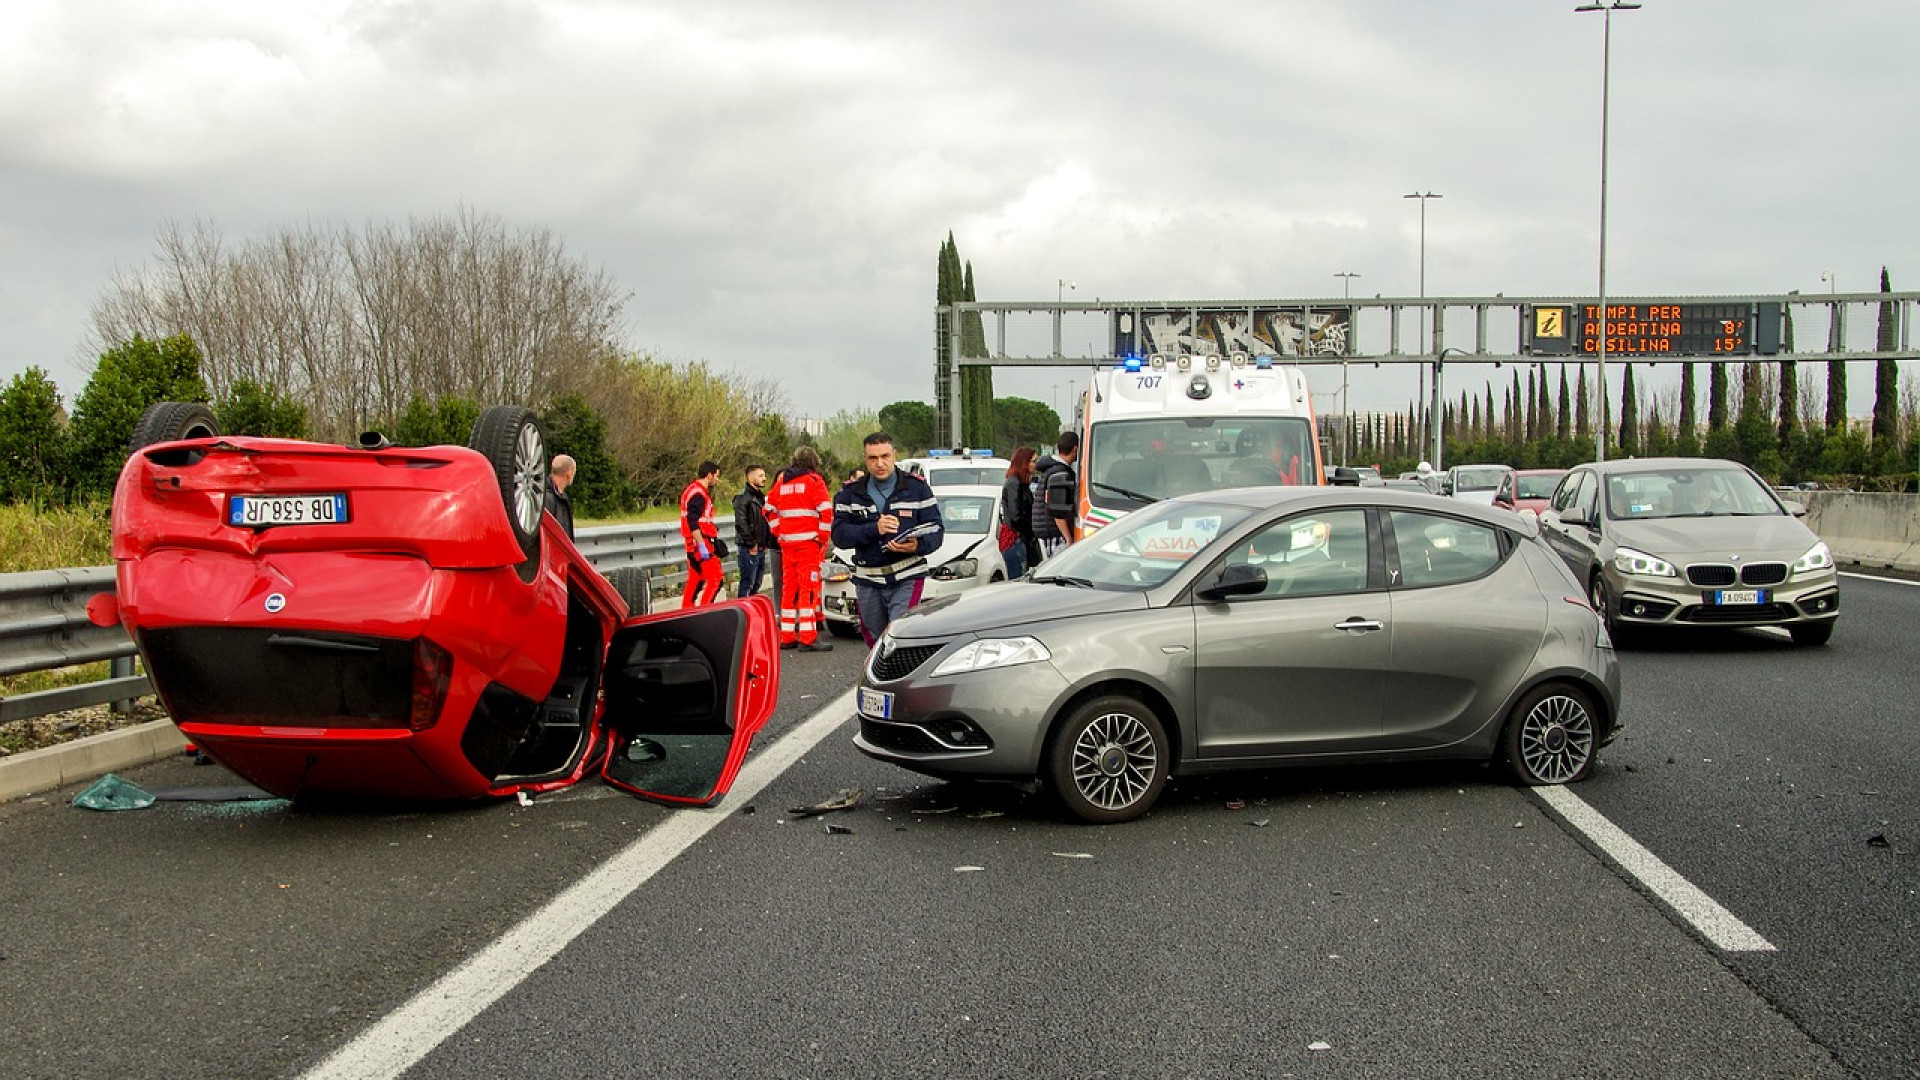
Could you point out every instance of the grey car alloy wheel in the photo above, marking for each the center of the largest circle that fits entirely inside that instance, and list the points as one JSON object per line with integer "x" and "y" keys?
{"x": 1551, "y": 738}
{"x": 1110, "y": 760}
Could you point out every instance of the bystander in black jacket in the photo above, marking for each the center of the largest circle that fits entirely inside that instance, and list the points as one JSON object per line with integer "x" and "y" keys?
{"x": 561, "y": 507}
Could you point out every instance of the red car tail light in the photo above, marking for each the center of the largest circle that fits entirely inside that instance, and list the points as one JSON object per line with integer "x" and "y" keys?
{"x": 432, "y": 674}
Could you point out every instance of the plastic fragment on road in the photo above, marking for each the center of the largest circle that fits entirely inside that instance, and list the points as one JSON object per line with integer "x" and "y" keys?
{"x": 1074, "y": 854}
{"x": 968, "y": 869}
{"x": 525, "y": 799}
{"x": 112, "y": 793}
{"x": 844, "y": 799}
{"x": 1259, "y": 823}
{"x": 838, "y": 830}
{"x": 1318, "y": 1046}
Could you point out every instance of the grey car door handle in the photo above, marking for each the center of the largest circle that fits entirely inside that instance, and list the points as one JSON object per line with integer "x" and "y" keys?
{"x": 1359, "y": 626}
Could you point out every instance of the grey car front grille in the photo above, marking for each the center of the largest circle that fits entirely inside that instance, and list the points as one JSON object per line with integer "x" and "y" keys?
{"x": 1720, "y": 575}
{"x": 901, "y": 662}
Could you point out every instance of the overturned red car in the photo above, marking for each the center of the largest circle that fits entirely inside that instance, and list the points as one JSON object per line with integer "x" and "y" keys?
{"x": 373, "y": 621}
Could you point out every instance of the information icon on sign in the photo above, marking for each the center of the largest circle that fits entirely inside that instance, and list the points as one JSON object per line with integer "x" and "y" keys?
{"x": 1550, "y": 322}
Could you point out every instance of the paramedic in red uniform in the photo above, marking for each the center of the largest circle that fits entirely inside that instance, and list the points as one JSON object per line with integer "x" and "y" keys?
{"x": 801, "y": 513}
{"x": 706, "y": 553}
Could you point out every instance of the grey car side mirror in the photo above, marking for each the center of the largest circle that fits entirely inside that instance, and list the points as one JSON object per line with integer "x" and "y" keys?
{"x": 1240, "y": 579}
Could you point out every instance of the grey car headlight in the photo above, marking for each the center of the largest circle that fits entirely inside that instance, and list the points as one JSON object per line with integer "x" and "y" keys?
{"x": 955, "y": 570}
{"x": 1628, "y": 561}
{"x": 1818, "y": 557}
{"x": 992, "y": 653}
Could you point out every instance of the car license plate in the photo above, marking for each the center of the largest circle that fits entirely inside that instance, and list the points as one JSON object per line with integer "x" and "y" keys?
{"x": 876, "y": 703}
{"x": 261, "y": 511}
{"x": 1740, "y": 596}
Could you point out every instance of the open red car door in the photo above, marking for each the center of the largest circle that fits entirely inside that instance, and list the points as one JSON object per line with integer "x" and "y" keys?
{"x": 685, "y": 693}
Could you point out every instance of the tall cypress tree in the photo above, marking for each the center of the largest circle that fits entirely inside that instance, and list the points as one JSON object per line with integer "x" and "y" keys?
{"x": 1629, "y": 416}
{"x": 1563, "y": 416}
{"x": 1836, "y": 393}
{"x": 1546, "y": 405}
{"x": 1533, "y": 410}
{"x": 1686, "y": 437}
{"x": 1888, "y": 455}
{"x": 1716, "y": 397}
{"x": 946, "y": 289}
{"x": 976, "y": 382}
{"x": 1583, "y": 411}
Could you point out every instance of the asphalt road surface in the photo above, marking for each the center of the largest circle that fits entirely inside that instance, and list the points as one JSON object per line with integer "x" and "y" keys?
{"x": 1428, "y": 922}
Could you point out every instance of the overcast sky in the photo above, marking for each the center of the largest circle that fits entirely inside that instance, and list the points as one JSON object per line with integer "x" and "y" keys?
{"x": 771, "y": 179}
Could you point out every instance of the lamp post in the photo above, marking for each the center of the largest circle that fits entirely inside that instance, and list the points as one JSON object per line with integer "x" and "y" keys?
{"x": 1606, "y": 82}
{"x": 1346, "y": 419}
{"x": 1423, "y": 196}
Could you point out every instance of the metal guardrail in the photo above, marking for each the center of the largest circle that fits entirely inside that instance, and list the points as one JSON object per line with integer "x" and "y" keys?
{"x": 44, "y": 625}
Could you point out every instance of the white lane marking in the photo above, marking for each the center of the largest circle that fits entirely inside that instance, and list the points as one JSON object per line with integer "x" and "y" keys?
{"x": 409, "y": 1033}
{"x": 1874, "y": 577}
{"x": 1702, "y": 912}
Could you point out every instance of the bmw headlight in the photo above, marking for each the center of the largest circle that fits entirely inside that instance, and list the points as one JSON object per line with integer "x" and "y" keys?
{"x": 956, "y": 570}
{"x": 992, "y": 653}
{"x": 1818, "y": 557}
{"x": 1628, "y": 561}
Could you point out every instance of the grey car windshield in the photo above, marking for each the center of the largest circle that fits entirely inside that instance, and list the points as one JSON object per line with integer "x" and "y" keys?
{"x": 1678, "y": 493}
{"x": 1144, "y": 548}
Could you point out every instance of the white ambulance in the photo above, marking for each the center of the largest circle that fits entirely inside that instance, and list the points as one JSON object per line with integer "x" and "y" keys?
{"x": 1157, "y": 426}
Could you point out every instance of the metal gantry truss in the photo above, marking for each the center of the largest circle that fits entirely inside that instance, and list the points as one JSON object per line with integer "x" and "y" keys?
{"x": 1379, "y": 329}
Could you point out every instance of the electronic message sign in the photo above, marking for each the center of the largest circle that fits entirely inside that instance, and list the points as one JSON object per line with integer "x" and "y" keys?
{"x": 1643, "y": 330}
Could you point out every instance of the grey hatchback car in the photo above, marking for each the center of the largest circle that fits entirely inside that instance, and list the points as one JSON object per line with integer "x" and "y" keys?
{"x": 1697, "y": 542}
{"x": 1253, "y": 628}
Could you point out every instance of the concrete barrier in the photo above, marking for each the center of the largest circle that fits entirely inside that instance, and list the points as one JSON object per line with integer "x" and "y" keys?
{"x": 85, "y": 759}
{"x": 1867, "y": 528}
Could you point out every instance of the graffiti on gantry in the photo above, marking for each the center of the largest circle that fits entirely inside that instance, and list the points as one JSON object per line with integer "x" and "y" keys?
{"x": 1221, "y": 331}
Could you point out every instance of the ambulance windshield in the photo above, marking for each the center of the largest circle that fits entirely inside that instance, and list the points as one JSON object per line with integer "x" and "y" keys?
{"x": 1133, "y": 462}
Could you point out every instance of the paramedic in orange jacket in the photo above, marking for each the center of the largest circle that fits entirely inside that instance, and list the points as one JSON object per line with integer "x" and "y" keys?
{"x": 706, "y": 553}
{"x": 801, "y": 512}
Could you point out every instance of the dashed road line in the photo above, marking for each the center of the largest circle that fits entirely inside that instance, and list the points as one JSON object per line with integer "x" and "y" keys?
{"x": 401, "y": 1038}
{"x": 1702, "y": 912}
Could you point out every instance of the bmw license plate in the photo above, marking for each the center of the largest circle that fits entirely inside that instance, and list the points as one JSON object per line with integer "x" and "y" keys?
{"x": 876, "y": 703}
{"x": 261, "y": 511}
{"x": 1740, "y": 596}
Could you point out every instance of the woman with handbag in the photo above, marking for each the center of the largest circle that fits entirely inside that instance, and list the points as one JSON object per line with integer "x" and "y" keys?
{"x": 1016, "y": 513}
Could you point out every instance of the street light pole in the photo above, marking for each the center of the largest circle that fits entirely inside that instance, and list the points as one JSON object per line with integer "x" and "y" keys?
{"x": 1423, "y": 196}
{"x": 1606, "y": 87}
{"x": 1346, "y": 413}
